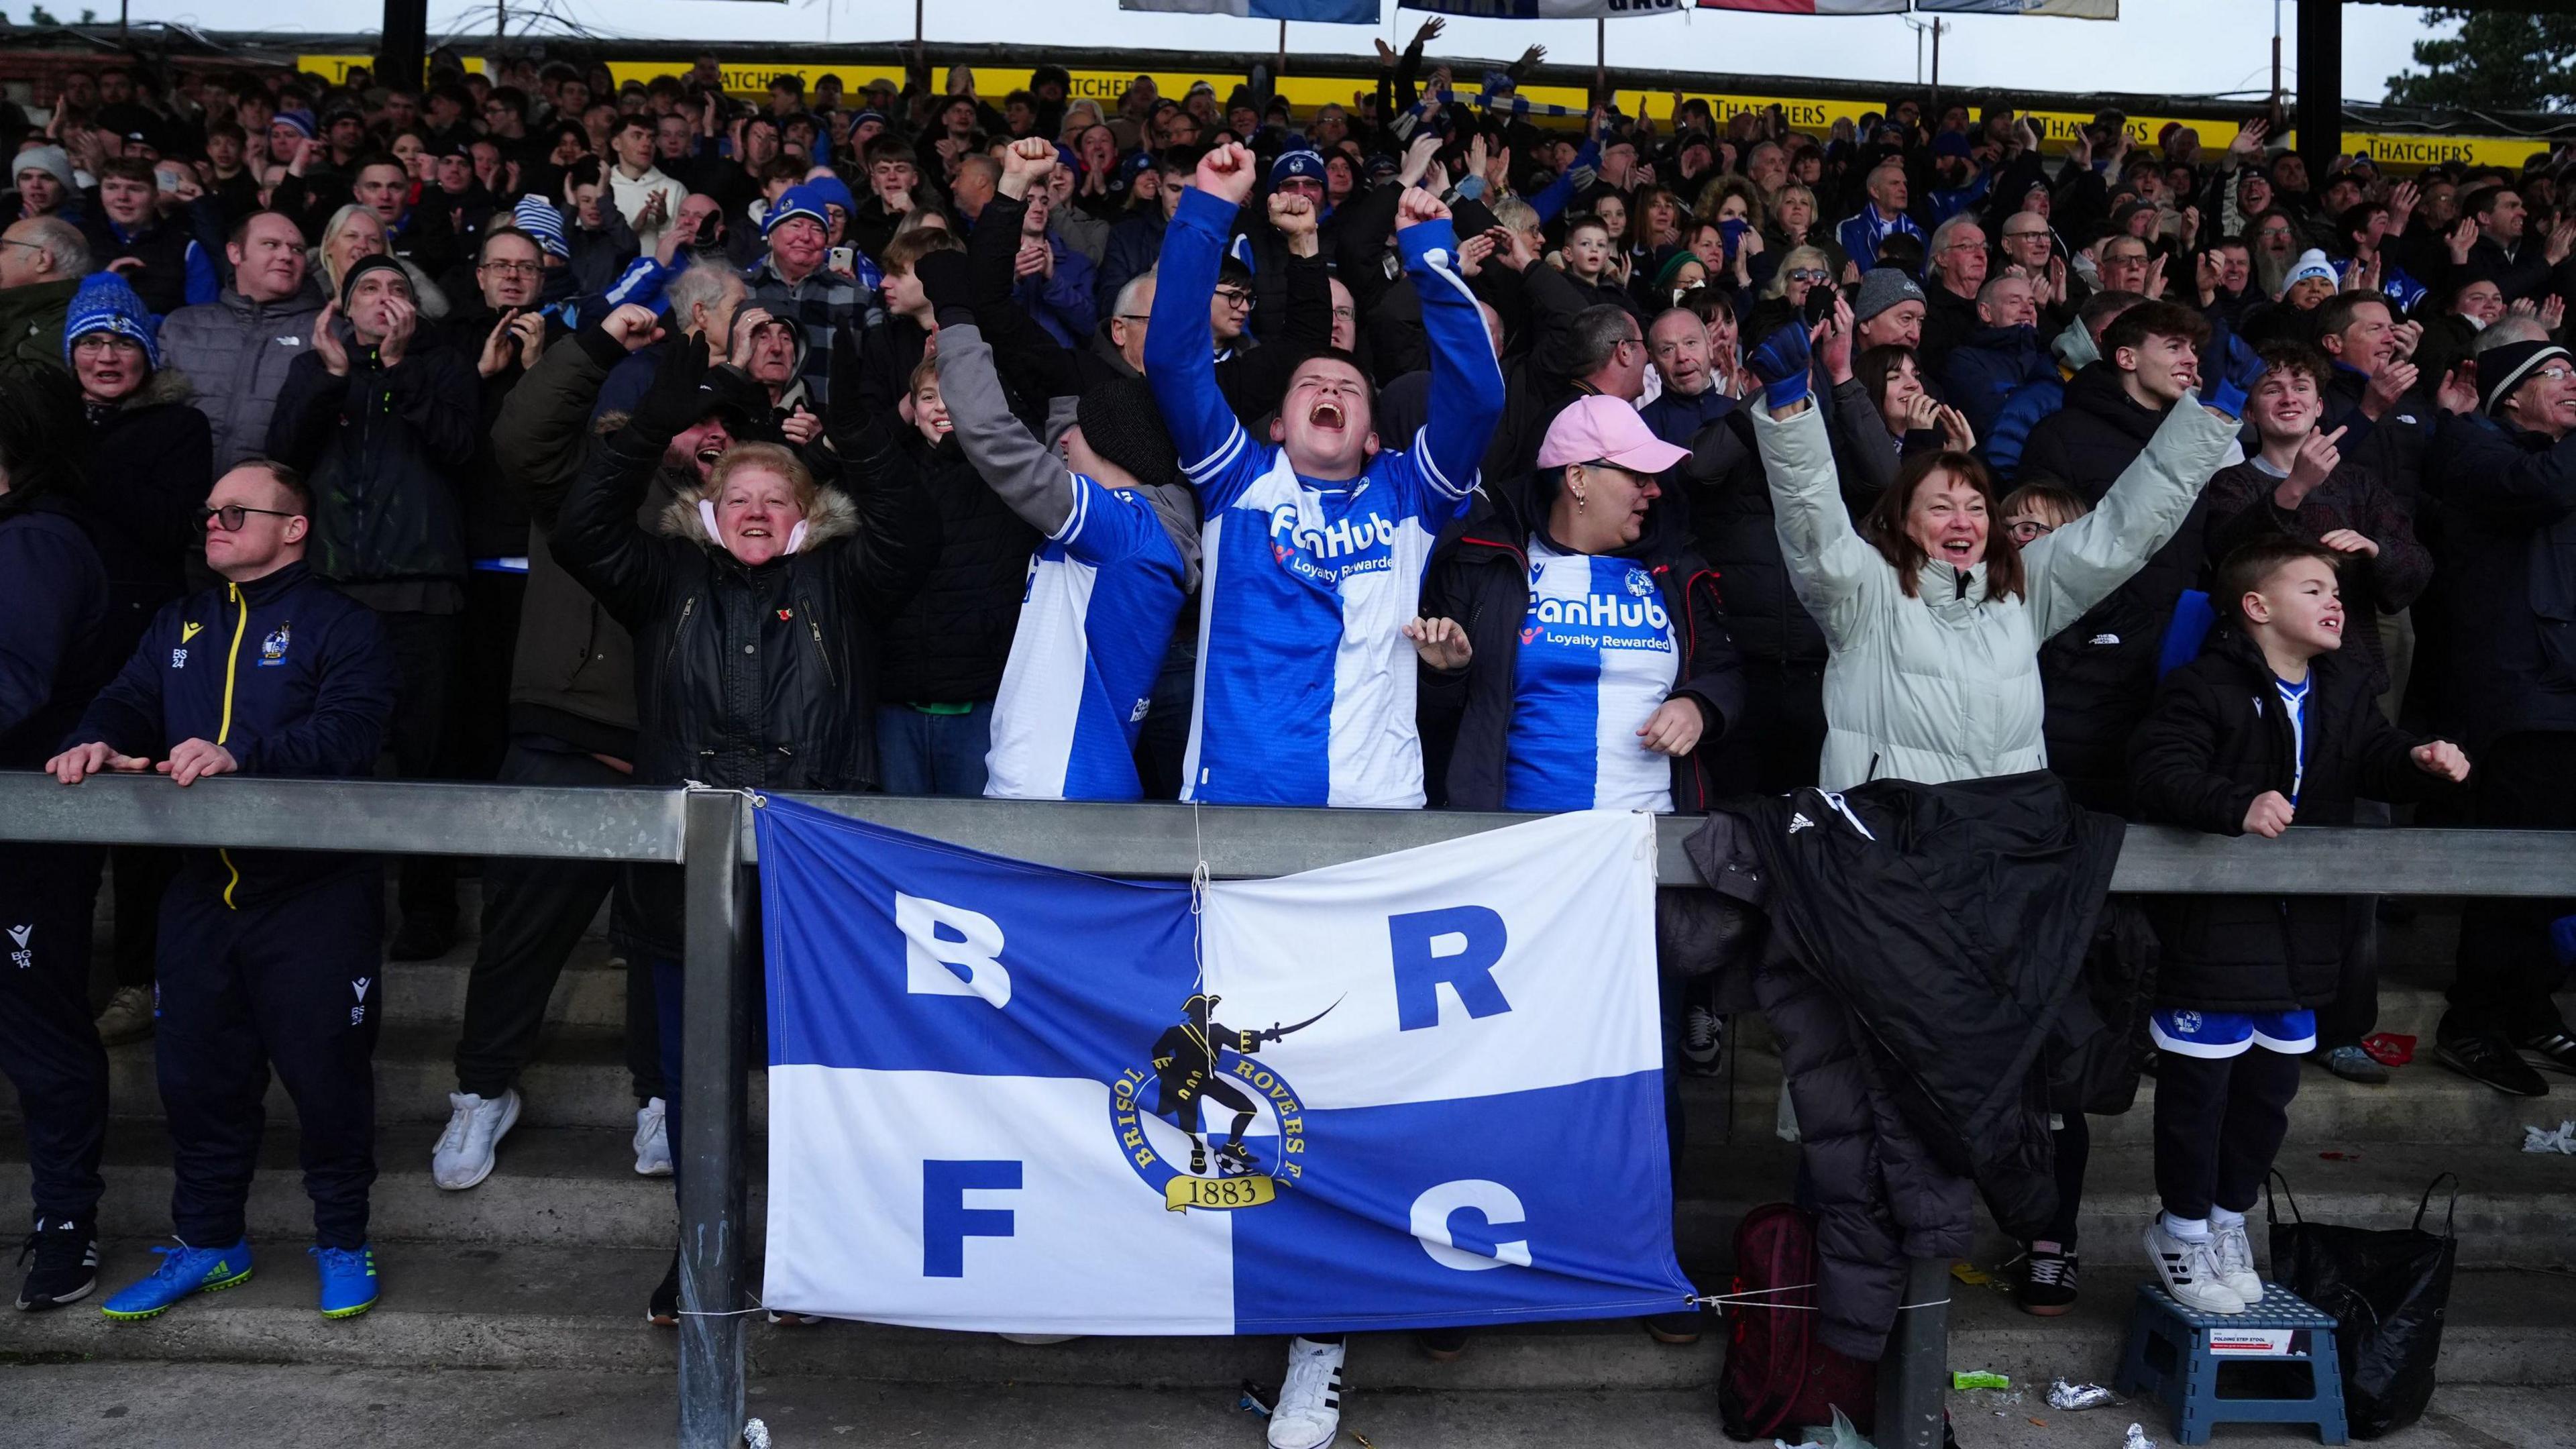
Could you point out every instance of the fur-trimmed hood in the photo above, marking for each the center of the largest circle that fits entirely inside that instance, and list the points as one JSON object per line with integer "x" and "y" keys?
{"x": 165, "y": 385}
{"x": 834, "y": 516}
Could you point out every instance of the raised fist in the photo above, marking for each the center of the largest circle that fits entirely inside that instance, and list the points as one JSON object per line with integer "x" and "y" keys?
{"x": 1227, "y": 172}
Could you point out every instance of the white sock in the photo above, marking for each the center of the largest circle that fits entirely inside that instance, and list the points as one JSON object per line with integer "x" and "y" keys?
{"x": 2190, "y": 1230}
{"x": 2224, "y": 1220}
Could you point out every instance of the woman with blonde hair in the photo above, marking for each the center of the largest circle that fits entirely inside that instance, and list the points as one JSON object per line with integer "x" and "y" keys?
{"x": 355, "y": 231}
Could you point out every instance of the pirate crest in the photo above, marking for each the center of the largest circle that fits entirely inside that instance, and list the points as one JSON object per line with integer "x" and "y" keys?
{"x": 1206, "y": 1124}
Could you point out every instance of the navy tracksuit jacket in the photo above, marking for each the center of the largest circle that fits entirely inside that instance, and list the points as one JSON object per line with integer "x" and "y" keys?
{"x": 53, "y": 611}
{"x": 268, "y": 959}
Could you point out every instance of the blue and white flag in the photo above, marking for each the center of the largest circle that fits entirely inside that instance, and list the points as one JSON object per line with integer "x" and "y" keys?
{"x": 1328, "y": 12}
{"x": 1415, "y": 1091}
{"x": 1550, "y": 9}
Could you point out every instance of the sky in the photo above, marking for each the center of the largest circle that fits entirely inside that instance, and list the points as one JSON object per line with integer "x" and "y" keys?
{"x": 2158, "y": 46}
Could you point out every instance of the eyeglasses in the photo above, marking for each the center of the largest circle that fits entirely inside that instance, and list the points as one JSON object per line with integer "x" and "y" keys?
{"x": 515, "y": 269}
{"x": 2553, "y": 374}
{"x": 1135, "y": 316}
{"x": 1806, "y": 274}
{"x": 2024, "y": 235}
{"x": 2029, "y": 529}
{"x": 231, "y": 515}
{"x": 10, "y": 241}
{"x": 1235, "y": 297}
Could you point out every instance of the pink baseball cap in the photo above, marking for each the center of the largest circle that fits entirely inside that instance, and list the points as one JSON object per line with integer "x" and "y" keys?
{"x": 1606, "y": 430}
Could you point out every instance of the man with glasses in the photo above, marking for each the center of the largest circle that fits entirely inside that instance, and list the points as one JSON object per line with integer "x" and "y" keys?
{"x": 2029, "y": 244}
{"x": 42, "y": 261}
{"x": 2503, "y": 465}
{"x": 268, "y": 960}
{"x": 1956, "y": 263}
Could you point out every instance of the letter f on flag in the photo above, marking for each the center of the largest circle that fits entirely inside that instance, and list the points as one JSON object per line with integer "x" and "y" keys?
{"x": 946, "y": 1221}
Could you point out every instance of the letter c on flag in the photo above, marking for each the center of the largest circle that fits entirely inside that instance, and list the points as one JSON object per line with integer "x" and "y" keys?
{"x": 1498, "y": 1205}
{"x": 964, "y": 962}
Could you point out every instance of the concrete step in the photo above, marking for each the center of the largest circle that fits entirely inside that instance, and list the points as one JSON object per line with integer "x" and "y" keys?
{"x": 576, "y": 1187}
{"x": 2426, "y": 1102}
{"x": 115, "y": 1405}
{"x": 589, "y": 996}
{"x": 453, "y": 1306}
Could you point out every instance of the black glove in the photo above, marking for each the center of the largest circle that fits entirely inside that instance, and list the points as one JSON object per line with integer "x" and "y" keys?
{"x": 679, "y": 396}
{"x": 865, "y": 390}
{"x": 944, "y": 282}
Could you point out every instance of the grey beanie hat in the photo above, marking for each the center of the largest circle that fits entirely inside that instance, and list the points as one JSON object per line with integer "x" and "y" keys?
{"x": 1882, "y": 288}
{"x": 50, "y": 159}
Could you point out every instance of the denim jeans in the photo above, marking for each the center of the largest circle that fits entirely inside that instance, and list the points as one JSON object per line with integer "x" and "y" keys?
{"x": 919, "y": 753}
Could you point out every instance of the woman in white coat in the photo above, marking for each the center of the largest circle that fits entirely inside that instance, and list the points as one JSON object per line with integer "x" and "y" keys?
{"x": 1933, "y": 618}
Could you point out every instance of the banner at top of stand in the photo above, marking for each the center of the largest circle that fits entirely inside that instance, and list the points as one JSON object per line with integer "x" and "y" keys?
{"x": 2066, "y": 9}
{"x": 1548, "y": 9}
{"x": 1323, "y": 12}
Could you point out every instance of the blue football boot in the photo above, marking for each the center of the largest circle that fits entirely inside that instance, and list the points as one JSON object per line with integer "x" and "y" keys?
{"x": 184, "y": 1270}
{"x": 348, "y": 1279}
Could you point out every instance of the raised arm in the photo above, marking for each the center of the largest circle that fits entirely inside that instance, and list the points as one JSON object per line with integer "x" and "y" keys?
{"x": 1218, "y": 456}
{"x": 1466, "y": 383}
{"x": 2078, "y": 566}
{"x": 1831, "y": 567}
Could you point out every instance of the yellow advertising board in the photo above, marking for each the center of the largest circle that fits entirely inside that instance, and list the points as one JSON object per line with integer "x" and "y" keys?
{"x": 2393, "y": 151}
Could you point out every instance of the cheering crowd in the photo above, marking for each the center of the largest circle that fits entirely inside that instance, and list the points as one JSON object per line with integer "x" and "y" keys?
{"x": 540, "y": 428}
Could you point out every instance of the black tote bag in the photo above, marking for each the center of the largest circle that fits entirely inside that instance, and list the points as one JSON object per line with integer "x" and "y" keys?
{"x": 2387, "y": 1290}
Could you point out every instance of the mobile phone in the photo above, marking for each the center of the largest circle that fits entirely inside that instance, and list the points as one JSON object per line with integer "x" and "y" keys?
{"x": 1819, "y": 304}
{"x": 844, "y": 259}
{"x": 165, "y": 180}
{"x": 1732, "y": 231}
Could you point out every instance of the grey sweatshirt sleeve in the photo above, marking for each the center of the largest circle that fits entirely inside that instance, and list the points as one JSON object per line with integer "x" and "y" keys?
{"x": 1018, "y": 468}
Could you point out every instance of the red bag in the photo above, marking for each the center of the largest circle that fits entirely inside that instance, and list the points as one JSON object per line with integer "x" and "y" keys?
{"x": 1779, "y": 1376}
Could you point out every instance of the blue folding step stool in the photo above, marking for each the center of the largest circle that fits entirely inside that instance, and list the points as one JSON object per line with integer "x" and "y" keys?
{"x": 2175, "y": 1353}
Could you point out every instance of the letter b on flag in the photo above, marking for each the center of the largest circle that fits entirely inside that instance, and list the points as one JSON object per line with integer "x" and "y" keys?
{"x": 1457, "y": 947}
{"x": 963, "y": 962}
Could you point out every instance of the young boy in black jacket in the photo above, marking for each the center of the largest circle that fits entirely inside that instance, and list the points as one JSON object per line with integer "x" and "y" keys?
{"x": 2268, "y": 724}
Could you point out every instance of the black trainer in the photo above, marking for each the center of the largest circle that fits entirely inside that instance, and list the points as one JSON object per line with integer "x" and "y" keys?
{"x": 422, "y": 939}
{"x": 664, "y": 1311}
{"x": 2046, "y": 1285}
{"x": 66, "y": 1265}
{"x": 1677, "y": 1328}
{"x": 2554, "y": 1050}
{"x": 2487, "y": 1057}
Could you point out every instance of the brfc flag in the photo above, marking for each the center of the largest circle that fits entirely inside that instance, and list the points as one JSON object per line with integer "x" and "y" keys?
{"x": 1328, "y": 12}
{"x": 1415, "y": 1091}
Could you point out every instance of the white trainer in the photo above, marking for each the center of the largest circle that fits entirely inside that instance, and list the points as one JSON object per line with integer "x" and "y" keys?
{"x": 475, "y": 1127}
{"x": 2235, "y": 1261}
{"x": 1309, "y": 1412}
{"x": 652, "y": 1141}
{"x": 2190, "y": 1271}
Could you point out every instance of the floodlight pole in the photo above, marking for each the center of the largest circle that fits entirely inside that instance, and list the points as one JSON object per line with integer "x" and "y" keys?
{"x": 2320, "y": 85}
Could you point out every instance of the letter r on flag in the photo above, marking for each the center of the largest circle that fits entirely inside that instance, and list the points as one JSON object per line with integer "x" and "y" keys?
{"x": 1456, "y": 946}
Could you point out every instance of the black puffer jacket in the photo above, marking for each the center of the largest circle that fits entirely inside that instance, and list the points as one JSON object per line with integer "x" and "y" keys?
{"x": 385, "y": 450}
{"x": 151, "y": 465}
{"x": 2100, "y": 673}
{"x": 1484, "y": 584}
{"x": 949, "y": 642}
{"x": 2217, "y": 738}
{"x": 751, "y": 677}
{"x": 2505, "y": 558}
{"x": 1732, "y": 524}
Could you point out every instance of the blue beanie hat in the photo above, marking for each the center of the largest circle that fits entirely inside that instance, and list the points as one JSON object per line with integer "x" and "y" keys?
{"x": 544, "y": 225}
{"x": 802, "y": 200}
{"x": 299, "y": 119}
{"x": 1299, "y": 163}
{"x": 832, "y": 191}
{"x": 105, "y": 303}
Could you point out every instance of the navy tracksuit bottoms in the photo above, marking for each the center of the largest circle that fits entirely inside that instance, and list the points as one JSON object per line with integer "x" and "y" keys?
{"x": 290, "y": 984}
{"x": 48, "y": 1040}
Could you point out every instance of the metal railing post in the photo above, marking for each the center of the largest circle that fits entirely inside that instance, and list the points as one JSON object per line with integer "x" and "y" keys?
{"x": 1914, "y": 1375}
{"x": 713, "y": 1124}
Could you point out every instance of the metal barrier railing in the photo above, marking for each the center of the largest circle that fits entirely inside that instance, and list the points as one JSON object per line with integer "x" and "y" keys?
{"x": 708, "y": 834}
